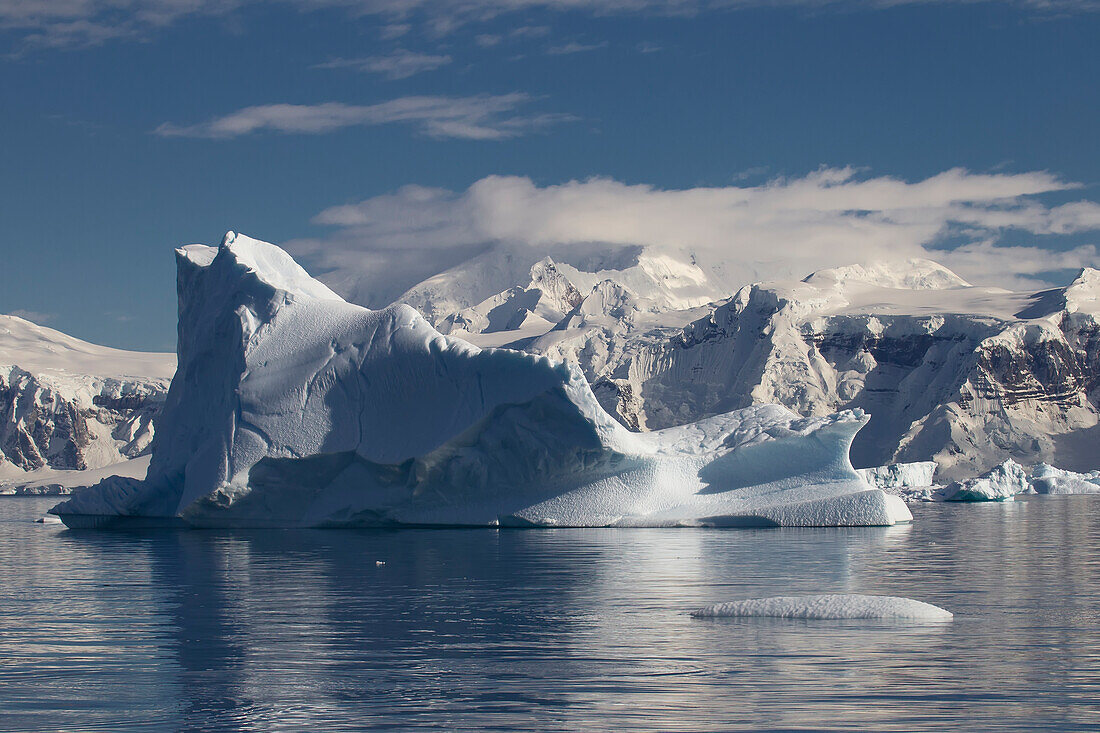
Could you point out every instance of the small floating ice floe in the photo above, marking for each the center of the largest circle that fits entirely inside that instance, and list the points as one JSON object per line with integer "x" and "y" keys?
{"x": 48, "y": 519}
{"x": 838, "y": 606}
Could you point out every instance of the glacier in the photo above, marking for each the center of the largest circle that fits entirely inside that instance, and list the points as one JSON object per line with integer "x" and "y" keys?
{"x": 292, "y": 407}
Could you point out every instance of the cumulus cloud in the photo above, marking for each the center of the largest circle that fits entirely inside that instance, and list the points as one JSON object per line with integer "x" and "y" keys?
{"x": 784, "y": 228}
{"x": 479, "y": 117}
{"x": 400, "y": 64}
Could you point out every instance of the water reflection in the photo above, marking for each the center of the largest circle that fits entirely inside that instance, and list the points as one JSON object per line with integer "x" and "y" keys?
{"x": 549, "y": 629}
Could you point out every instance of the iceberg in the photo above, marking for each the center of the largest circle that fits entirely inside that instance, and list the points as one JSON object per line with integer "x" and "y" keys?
{"x": 899, "y": 475}
{"x": 913, "y": 482}
{"x": 1046, "y": 479}
{"x": 910, "y": 481}
{"x": 1001, "y": 483}
{"x": 293, "y": 408}
{"x": 820, "y": 607}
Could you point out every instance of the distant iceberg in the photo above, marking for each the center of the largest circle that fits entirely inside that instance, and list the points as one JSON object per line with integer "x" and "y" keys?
{"x": 292, "y": 407}
{"x": 899, "y": 475}
{"x": 1046, "y": 479}
{"x": 913, "y": 482}
{"x": 1001, "y": 483}
{"x": 822, "y": 607}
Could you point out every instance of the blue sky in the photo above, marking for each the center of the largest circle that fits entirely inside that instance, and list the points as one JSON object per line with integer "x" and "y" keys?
{"x": 131, "y": 128}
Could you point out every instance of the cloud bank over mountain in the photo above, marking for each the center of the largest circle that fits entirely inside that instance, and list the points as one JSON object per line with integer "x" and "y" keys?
{"x": 777, "y": 230}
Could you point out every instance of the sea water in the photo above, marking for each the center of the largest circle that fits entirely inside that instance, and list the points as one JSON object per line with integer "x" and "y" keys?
{"x": 550, "y": 629}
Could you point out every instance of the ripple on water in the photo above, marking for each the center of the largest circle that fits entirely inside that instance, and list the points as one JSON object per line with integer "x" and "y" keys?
{"x": 549, "y": 629}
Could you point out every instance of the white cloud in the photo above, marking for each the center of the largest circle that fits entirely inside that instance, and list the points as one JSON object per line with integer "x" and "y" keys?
{"x": 480, "y": 117}
{"x": 33, "y": 316}
{"x": 88, "y": 22}
{"x": 574, "y": 47}
{"x": 1017, "y": 268}
{"x": 784, "y": 228}
{"x": 56, "y": 23}
{"x": 529, "y": 31}
{"x": 400, "y": 64}
{"x": 394, "y": 30}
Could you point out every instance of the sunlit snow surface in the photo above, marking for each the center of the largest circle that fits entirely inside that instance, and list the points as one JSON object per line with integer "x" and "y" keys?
{"x": 291, "y": 407}
{"x": 836, "y": 606}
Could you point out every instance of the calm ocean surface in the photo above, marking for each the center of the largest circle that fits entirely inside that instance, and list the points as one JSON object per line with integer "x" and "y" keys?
{"x": 550, "y": 629}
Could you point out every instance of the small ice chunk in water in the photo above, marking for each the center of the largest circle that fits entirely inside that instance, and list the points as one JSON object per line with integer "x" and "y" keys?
{"x": 836, "y": 606}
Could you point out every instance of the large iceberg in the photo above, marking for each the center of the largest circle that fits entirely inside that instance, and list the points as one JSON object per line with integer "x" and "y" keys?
{"x": 292, "y": 407}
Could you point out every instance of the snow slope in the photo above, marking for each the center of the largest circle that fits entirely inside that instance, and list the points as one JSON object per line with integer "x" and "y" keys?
{"x": 49, "y": 352}
{"x": 292, "y": 407}
{"x": 66, "y": 404}
{"x": 49, "y": 481}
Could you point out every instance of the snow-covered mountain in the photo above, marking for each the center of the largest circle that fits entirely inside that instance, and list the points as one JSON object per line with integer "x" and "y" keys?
{"x": 966, "y": 376}
{"x": 68, "y": 405}
{"x": 292, "y": 407}
{"x": 664, "y": 280}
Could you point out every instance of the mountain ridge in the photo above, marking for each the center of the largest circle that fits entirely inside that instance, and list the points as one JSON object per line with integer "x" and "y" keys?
{"x": 982, "y": 373}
